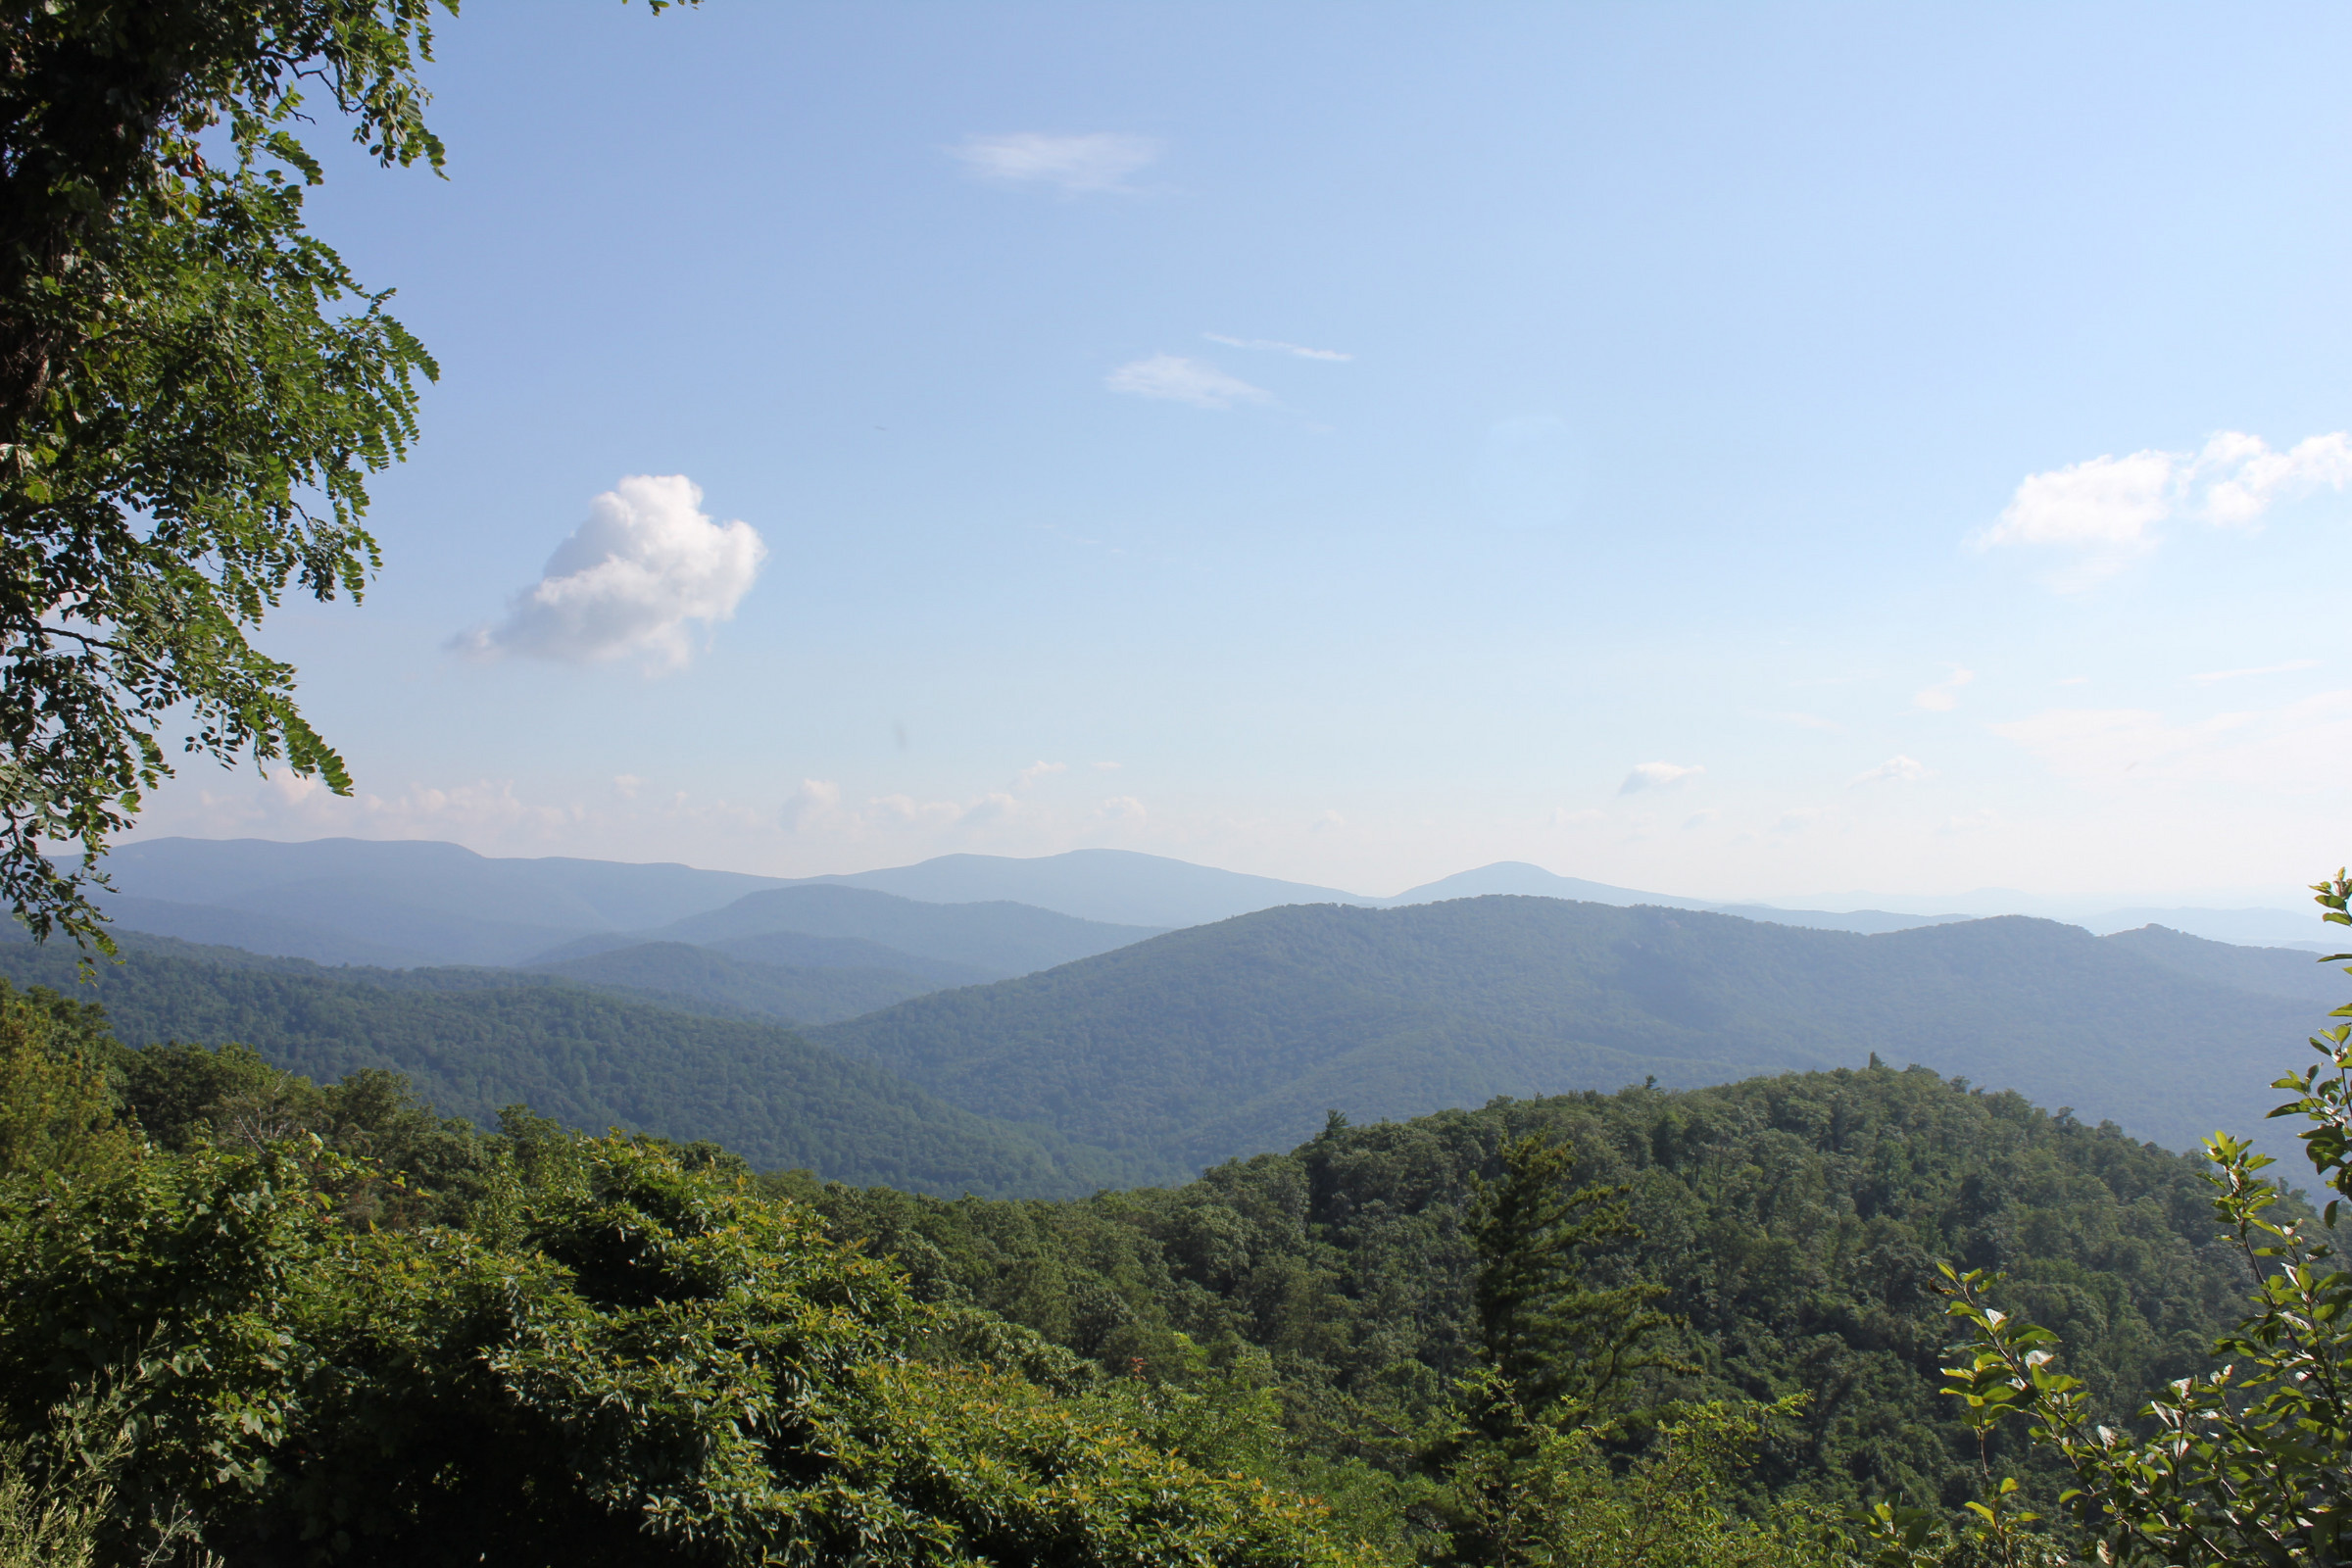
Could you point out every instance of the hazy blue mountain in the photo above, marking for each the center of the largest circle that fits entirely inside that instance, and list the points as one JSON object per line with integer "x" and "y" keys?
{"x": 474, "y": 1041}
{"x": 1521, "y": 879}
{"x": 794, "y": 950}
{"x": 2257, "y": 928}
{"x": 1868, "y": 922}
{"x": 406, "y": 903}
{"x": 994, "y": 939}
{"x": 216, "y": 925}
{"x": 1235, "y": 1038}
{"x": 423, "y": 901}
{"x": 798, "y": 950}
{"x": 551, "y": 891}
{"x": 1119, "y": 886}
{"x": 2274, "y": 971}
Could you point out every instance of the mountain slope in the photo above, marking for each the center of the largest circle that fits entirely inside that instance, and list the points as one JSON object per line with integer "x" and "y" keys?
{"x": 216, "y": 925}
{"x": 1119, "y": 886}
{"x": 993, "y": 940}
{"x": 426, "y": 902}
{"x": 1521, "y": 879}
{"x": 2272, "y": 971}
{"x": 473, "y": 1041}
{"x": 1236, "y": 1037}
{"x": 707, "y": 980}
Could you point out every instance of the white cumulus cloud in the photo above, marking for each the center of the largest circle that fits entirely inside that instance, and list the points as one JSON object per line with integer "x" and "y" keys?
{"x": 646, "y": 561}
{"x": 1124, "y": 809}
{"x": 1655, "y": 776}
{"x": 1181, "y": 380}
{"x": 1276, "y": 346}
{"x": 1078, "y": 165}
{"x": 2105, "y": 510}
{"x": 1036, "y": 770}
{"x": 815, "y": 799}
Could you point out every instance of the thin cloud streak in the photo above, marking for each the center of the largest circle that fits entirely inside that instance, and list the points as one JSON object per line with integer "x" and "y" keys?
{"x": 1078, "y": 165}
{"x": 1277, "y": 346}
{"x": 1176, "y": 379}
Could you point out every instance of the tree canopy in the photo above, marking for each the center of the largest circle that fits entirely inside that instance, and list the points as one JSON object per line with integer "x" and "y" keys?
{"x": 194, "y": 391}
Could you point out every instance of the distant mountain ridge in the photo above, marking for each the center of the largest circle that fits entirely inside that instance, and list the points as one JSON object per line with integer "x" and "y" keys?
{"x": 1155, "y": 1059}
{"x": 418, "y": 903}
{"x": 1120, "y": 887}
{"x": 1236, "y": 1037}
{"x": 341, "y": 900}
{"x": 473, "y": 1041}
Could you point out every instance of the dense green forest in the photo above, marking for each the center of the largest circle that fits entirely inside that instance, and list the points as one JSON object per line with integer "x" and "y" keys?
{"x": 1238, "y": 1037}
{"x": 247, "y": 1315}
{"x": 1793, "y": 1221}
{"x": 475, "y": 1041}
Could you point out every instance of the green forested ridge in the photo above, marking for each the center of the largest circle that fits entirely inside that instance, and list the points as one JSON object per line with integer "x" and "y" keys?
{"x": 1152, "y": 1062}
{"x": 1235, "y": 1037}
{"x": 284, "y": 1307}
{"x": 699, "y": 980}
{"x": 1794, "y": 1223}
{"x": 476, "y": 1041}
{"x": 250, "y": 1347}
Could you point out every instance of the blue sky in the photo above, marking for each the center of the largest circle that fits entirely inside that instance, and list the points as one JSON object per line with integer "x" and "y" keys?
{"x": 1754, "y": 450}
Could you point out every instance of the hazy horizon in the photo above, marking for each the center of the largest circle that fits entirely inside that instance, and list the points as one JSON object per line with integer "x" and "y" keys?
{"x": 1980, "y": 901}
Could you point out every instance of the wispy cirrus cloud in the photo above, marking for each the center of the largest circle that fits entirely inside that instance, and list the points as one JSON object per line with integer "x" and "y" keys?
{"x": 1098, "y": 163}
{"x": 1177, "y": 379}
{"x": 2104, "y": 509}
{"x": 1276, "y": 346}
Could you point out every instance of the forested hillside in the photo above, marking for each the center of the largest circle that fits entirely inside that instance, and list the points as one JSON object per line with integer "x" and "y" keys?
{"x": 1729, "y": 1330}
{"x": 992, "y": 940}
{"x": 2266, "y": 972}
{"x": 1150, "y": 1061}
{"x": 712, "y": 980}
{"x": 1236, "y": 1037}
{"x": 1794, "y": 1222}
{"x": 474, "y": 1041}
